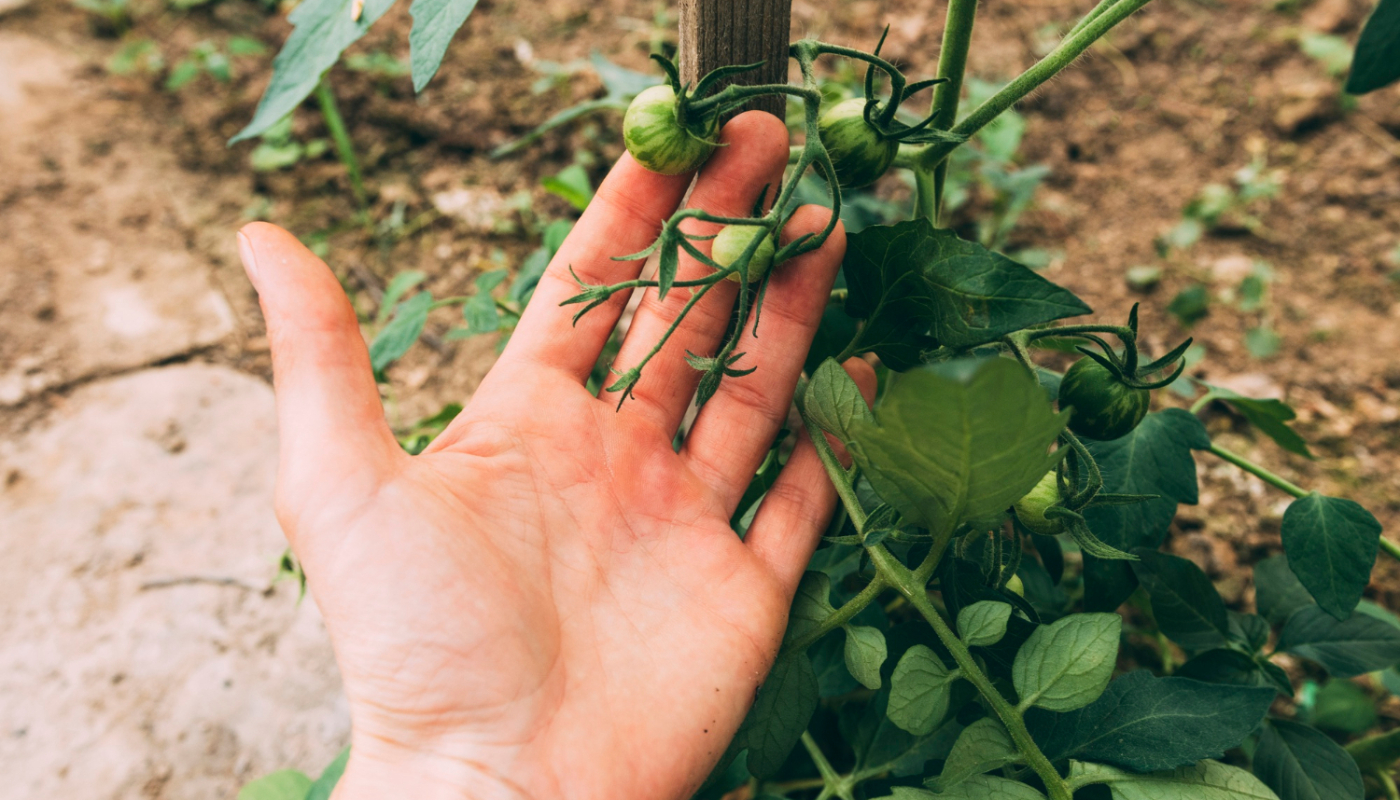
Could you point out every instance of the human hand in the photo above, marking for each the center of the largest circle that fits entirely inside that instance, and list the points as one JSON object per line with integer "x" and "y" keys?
{"x": 549, "y": 602}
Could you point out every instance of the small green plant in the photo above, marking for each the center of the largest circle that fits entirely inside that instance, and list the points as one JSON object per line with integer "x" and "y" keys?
{"x": 279, "y": 148}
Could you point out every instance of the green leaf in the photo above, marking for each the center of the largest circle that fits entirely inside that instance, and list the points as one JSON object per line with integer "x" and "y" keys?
{"x": 881, "y": 747}
{"x": 435, "y": 22}
{"x": 1277, "y": 591}
{"x": 400, "y": 334}
{"x": 396, "y": 289}
{"x": 1250, "y": 630}
{"x": 982, "y": 747}
{"x": 571, "y": 184}
{"x": 1376, "y": 753}
{"x": 288, "y": 784}
{"x": 481, "y": 314}
{"x": 1359, "y": 645}
{"x": 1067, "y": 664}
{"x": 983, "y": 623}
{"x": 833, "y": 401}
{"x": 810, "y": 606}
{"x": 1224, "y": 666}
{"x": 1271, "y": 417}
{"x": 1301, "y": 763}
{"x": 324, "y": 785}
{"x": 917, "y": 286}
{"x": 1208, "y": 780}
{"x": 780, "y": 714}
{"x": 1331, "y": 545}
{"x": 1155, "y": 459}
{"x": 950, "y": 447}
{"x": 865, "y": 653}
{"x": 1145, "y": 723}
{"x": 978, "y": 787}
{"x": 1343, "y": 706}
{"x": 920, "y": 689}
{"x": 323, "y": 29}
{"x": 1185, "y": 603}
{"x": 1377, "y": 60}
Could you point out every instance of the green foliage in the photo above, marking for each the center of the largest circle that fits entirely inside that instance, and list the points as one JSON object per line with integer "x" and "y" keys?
{"x": 779, "y": 715}
{"x": 989, "y": 424}
{"x": 920, "y": 691}
{"x": 1271, "y": 417}
{"x": 982, "y": 747}
{"x": 1377, "y": 61}
{"x": 1300, "y": 763}
{"x": 326, "y": 783}
{"x": 1144, "y": 723}
{"x": 1209, "y": 780}
{"x": 1347, "y": 648}
{"x": 1185, "y": 604}
{"x": 435, "y": 22}
{"x": 865, "y": 652}
{"x": 279, "y": 149}
{"x": 916, "y": 285}
{"x": 1331, "y": 544}
{"x": 1066, "y": 665}
{"x": 982, "y": 624}
{"x": 288, "y": 784}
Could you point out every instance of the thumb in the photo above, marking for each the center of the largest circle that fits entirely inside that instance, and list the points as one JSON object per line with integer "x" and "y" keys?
{"x": 331, "y": 423}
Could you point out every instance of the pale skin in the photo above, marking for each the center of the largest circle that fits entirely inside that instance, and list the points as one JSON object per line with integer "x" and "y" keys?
{"x": 549, "y": 602}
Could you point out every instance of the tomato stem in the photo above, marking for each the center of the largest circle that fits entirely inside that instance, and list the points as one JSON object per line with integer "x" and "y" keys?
{"x": 952, "y": 64}
{"x": 344, "y": 146}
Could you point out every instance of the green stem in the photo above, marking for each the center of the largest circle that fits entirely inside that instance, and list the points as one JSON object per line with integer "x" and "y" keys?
{"x": 344, "y": 147}
{"x": 952, "y": 64}
{"x": 1258, "y": 471}
{"x": 1098, "y": 10}
{"x": 902, "y": 579}
{"x": 1388, "y": 784}
{"x": 1061, "y": 57}
{"x": 840, "y": 477}
{"x": 844, "y": 614}
{"x": 830, "y": 776}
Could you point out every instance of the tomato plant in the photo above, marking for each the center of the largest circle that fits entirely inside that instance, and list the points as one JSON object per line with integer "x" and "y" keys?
{"x": 958, "y": 635}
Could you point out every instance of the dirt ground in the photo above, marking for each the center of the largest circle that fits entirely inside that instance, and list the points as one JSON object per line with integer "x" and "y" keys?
{"x": 119, "y": 198}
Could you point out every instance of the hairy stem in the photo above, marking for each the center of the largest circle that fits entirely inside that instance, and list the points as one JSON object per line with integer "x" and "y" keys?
{"x": 844, "y": 614}
{"x": 903, "y": 580}
{"x": 344, "y": 147}
{"x": 830, "y": 777}
{"x": 952, "y": 64}
{"x": 1254, "y": 469}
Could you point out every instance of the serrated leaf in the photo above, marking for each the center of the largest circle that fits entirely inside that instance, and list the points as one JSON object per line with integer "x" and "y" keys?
{"x": 917, "y": 286}
{"x": 330, "y": 776}
{"x": 322, "y": 30}
{"x": 1185, "y": 603}
{"x": 1301, "y": 763}
{"x": 834, "y": 402}
{"x": 1209, "y": 780}
{"x": 810, "y": 606}
{"x": 1155, "y": 459}
{"x": 982, "y": 747}
{"x": 1331, "y": 545}
{"x": 1359, "y": 645}
{"x": 1271, "y": 417}
{"x": 920, "y": 689}
{"x": 865, "y": 653}
{"x": 401, "y": 332}
{"x": 983, "y": 623}
{"x": 780, "y": 714}
{"x": 287, "y": 784}
{"x": 1067, "y": 664}
{"x": 1145, "y": 723}
{"x": 1277, "y": 591}
{"x": 958, "y": 442}
{"x": 435, "y": 22}
{"x": 1377, "y": 59}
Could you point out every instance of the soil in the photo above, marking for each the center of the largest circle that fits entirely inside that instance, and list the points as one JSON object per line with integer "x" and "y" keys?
{"x": 119, "y": 198}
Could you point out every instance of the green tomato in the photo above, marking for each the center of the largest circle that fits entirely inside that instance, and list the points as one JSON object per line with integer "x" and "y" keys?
{"x": 731, "y": 243}
{"x": 859, "y": 153}
{"x": 658, "y": 141}
{"x": 1030, "y": 510}
{"x": 1104, "y": 407}
{"x": 1015, "y": 586}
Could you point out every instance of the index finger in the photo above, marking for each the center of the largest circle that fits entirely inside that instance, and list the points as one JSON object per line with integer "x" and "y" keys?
{"x": 624, "y": 217}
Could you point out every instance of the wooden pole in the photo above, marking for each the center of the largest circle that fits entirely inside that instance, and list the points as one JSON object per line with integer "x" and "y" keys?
{"x": 718, "y": 33}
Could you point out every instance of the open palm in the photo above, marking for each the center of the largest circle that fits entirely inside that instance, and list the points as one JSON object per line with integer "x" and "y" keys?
{"x": 549, "y": 602}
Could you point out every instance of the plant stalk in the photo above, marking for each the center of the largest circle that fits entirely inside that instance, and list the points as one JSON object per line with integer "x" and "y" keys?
{"x": 344, "y": 146}
{"x": 952, "y": 64}
{"x": 1277, "y": 481}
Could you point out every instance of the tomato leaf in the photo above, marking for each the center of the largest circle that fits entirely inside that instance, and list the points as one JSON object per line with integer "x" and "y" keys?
{"x": 1277, "y": 591}
{"x": 920, "y": 689}
{"x": 323, "y": 29}
{"x": 882, "y": 747}
{"x": 1377, "y": 60}
{"x": 324, "y": 785}
{"x": 918, "y": 286}
{"x": 983, "y": 623}
{"x": 1359, "y": 645}
{"x": 287, "y": 784}
{"x": 811, "y": 606}
{"x": 1300, "y": 762}
{"x": 1331, "y": 545}
{"x": 1271, "y": 417}
{"x": 401, "y": 332}
{"x": 435, "y": 22}
{"x": 1067, "y": 664}
{"x": 780, "y": 714}
{"x": 1208, "y": 780}
{"x": 833, "y": 401}
{"x": 1145, "y": 723}
{"x": 1185, "y": 603}
{"x": 957, "y": 442}
{"x": 865, "y": 653}
{"x": 982, "y": 747}
{"x": 1155, "y": 459}
{"x": 977, "y": 787}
